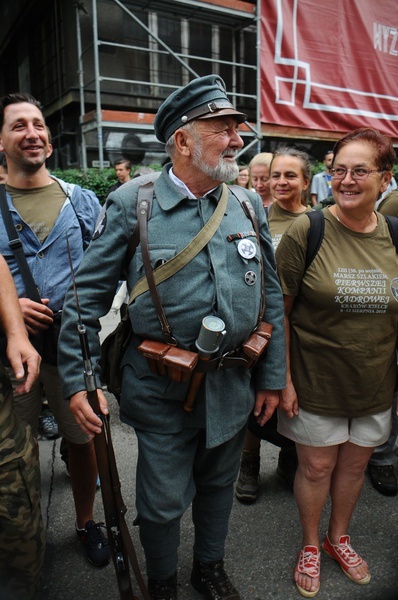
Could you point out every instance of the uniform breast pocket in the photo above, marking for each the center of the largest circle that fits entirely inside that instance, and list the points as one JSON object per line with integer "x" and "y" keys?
{"x": 159, "y": 254}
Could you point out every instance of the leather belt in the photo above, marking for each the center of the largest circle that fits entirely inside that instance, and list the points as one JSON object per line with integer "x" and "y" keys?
{"x": 219, "y": 363}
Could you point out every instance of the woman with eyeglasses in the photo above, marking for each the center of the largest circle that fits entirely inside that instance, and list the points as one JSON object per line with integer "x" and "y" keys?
{"x": 342, "y": 325}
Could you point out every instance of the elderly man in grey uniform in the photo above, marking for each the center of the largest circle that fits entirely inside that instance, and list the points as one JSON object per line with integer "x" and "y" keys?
{"x": 184, "y": 457}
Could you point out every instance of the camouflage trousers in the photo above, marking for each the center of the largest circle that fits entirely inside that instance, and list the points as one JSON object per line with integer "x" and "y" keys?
{"x": 22, "y": 539}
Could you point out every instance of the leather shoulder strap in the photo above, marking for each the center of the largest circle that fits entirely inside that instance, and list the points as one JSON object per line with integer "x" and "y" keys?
{"x": 249, "y": 211}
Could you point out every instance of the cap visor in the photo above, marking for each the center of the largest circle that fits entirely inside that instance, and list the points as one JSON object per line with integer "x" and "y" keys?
{"x": 239, "y": 116}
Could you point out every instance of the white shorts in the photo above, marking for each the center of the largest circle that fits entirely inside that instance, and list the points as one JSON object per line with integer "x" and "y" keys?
{"x": 320, "y": 430}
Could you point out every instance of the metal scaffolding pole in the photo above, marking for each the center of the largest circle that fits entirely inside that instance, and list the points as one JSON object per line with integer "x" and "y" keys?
{"x": 97, "y": 88}
{"x": 81, "y": 86}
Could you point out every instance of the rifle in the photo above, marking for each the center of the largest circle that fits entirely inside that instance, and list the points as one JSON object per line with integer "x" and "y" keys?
{"x": 119, "y": 539}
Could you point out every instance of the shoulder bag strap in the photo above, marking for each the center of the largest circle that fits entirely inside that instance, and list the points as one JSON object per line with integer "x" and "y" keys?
{"x": 16, "y": 247}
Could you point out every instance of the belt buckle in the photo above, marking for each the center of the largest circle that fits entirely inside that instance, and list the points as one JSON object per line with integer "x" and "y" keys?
{"x": 221, "y": 361}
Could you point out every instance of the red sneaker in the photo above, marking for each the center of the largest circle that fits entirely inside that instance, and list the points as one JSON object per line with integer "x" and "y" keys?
{"x": 309, "y": 563}
{"x": 346, "y": 556}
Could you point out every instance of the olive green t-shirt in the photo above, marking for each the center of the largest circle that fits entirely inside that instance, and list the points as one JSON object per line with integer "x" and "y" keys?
{"x": 39, "y": 207}
{"x": 344, "y": 321}
{"x": 279, "y": 220}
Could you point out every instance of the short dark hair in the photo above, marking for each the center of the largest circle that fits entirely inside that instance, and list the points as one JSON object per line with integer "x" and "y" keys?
{"x": 123, "y": 161}
{"x": 16, "y": 98}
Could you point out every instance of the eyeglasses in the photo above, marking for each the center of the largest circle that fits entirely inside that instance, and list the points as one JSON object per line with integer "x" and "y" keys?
{"x": 356, "y": 172}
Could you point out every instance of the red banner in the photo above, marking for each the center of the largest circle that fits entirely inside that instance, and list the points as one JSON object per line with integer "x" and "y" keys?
{"x": 330, "y": 66}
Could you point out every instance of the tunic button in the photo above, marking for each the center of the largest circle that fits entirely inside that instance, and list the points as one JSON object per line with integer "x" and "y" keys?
{"x": 18, "y": 227}
{"x": 250, "y": 278}
{"x": 40, "y": 254}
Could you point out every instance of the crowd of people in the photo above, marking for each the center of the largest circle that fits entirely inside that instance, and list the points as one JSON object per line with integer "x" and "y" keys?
{"x": 284, "y": 310}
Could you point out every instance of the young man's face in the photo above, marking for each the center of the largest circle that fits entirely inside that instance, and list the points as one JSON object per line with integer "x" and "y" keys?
{"x": 122, "y": 173}
{"x": 328, "y": 161}
{"x": 24, "y": 137}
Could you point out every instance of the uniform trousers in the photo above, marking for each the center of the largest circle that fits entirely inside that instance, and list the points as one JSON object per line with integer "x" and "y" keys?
{"x": 174, "y": 471}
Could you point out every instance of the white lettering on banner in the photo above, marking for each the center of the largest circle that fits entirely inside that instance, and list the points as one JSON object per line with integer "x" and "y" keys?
{"x": 361, "y": 290}
{"x": 385, "y": 38}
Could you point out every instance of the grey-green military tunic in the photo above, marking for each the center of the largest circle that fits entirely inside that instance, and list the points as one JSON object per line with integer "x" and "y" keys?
{"x": 219, "y": 281}
{"x": 214, "y": 282}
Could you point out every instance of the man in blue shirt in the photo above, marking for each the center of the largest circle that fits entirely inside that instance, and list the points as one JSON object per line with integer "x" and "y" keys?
{"x": 46, "y": 211}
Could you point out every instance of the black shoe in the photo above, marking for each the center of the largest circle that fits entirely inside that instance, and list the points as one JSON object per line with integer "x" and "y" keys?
{"x": 95, "y": 543}
{"x": 211, "y": 580}
{"x": 48, "y": 427}
{"x": 248, "y": 481}
{"x": 383, "y": 479}
{"x": 287, "y": 465}
{"x": 165, "y": 589}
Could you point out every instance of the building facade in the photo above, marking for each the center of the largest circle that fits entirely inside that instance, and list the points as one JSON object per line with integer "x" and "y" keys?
{"x": 101, "y": 68}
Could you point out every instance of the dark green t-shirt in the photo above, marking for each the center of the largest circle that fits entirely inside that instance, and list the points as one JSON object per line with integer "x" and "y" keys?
{"x": 344, "y": 321}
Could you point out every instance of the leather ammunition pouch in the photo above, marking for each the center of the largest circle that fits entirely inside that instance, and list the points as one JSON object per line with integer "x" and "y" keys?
{"x": 178, "y": 364}
{"x": 165, "y": 359}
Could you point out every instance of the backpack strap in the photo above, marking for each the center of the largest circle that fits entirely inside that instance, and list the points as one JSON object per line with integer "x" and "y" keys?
{"x": 392, "y": 223}
{"x": 315, "y": 235}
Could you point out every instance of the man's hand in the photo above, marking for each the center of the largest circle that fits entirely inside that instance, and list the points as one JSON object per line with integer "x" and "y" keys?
{"x": 266, "y": 403}
{"x": 37, "y": 317}
{"x": 20, "y": 352}
{"x": 84, "y": 414}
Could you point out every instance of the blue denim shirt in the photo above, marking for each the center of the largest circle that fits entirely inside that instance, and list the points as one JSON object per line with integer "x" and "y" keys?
{"x": 48, "y": 261}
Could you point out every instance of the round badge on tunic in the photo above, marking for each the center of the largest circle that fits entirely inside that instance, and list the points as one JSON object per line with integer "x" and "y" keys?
{"x": 247, "y": 248}
{"x": 250, "y": 278}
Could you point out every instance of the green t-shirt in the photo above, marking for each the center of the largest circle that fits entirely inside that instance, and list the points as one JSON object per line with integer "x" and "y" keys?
{"x": 279, "y": 220}
{"x": 344, "y": 321}
{"x": 39, "y": 207}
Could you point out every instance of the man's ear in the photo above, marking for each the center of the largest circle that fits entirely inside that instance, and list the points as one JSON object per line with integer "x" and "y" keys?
{"x": 182, "y": 142}
{"x": 50, "y": 150}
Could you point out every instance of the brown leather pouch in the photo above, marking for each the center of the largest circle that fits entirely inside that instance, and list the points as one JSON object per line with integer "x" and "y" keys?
{"x": 180, "y": 363}
{"x": 154, "y": 352}
{"x": 164, "y": 359}
{"x": 256, "y": 344}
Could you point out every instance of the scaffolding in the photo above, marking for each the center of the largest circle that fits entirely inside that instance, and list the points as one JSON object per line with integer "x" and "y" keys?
{"x": 104, "y": 119}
